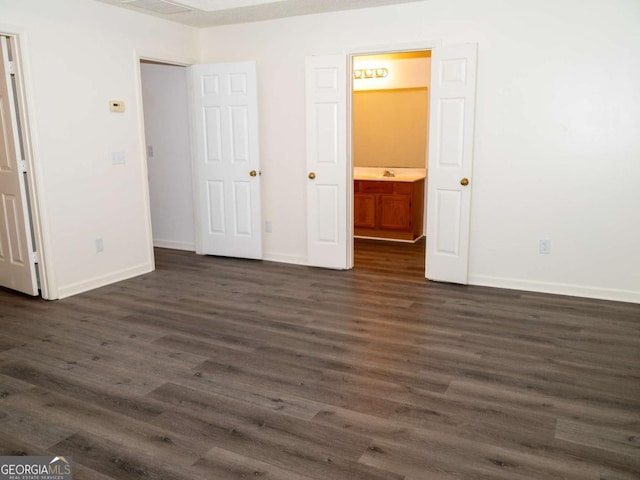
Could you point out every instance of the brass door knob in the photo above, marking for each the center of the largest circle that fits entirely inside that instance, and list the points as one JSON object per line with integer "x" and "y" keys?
{"x": 253, "y": 173}
{"x": 312, "y": 175}
{"x": 464, "y": 182}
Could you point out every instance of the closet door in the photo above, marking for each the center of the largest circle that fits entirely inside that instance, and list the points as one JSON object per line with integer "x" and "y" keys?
{"x": 224, "y": 110}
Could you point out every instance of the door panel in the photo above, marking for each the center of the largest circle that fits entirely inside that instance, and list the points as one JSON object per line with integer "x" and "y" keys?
{"x": 215, "y": 196}
{"x": 453, "y": 85}
{"x": 239, "y": 134}
{"x": 17, "y": 267}
{"x": 226, "y": 164}
{"x": 242, "y": 210}
{"x": 328, "y": 197}
{"x": 326, "y": 112}
{"x": 213, "y": 134}
{"x": 451, "y": 140}
{"x": 448, "y": 208}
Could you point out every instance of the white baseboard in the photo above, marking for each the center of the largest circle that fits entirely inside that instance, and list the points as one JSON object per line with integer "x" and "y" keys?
{"x": 557, "y": 288}
{"x": 96, "y": 282}
{"x": 285, "y": 258}
{"x": 174, "y": 245}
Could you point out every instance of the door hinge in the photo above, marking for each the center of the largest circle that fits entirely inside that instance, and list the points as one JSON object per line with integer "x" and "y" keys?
{"x": 35, "y": 257}
{"x": 23, "y": 166}
{"x": 11, "y": 67}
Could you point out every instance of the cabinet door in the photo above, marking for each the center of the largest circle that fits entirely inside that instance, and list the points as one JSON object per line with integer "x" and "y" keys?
{"x": 364, "y": 210}
{"x": 394, "y": 212}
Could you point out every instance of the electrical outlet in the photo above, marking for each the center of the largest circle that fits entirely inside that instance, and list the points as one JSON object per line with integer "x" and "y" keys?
{"x": 99, "y": 245}
{"x": 150, "y": 151}
{"x": 545, "y": 247}
{"x": 267, "y": 226}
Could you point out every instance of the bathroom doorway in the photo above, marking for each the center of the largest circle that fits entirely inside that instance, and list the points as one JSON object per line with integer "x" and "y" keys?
{"x": 390, "y": 144}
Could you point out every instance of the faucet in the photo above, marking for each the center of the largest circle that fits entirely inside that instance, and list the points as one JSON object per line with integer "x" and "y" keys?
{"x": 388, "y": 173}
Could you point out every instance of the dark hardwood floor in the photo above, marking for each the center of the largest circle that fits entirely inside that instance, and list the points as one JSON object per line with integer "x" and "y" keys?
{"x": 217, "y": 368}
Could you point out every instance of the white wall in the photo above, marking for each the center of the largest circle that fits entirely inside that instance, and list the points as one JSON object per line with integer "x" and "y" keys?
{"x": 80, "y": 54}
{"x": 556, "y": 150}
{"x": 166, "y": 124}
{"x": 557, "y": 153}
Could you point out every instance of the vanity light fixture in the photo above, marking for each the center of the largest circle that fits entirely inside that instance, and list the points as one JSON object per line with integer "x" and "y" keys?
{"x": 370, "y": 73}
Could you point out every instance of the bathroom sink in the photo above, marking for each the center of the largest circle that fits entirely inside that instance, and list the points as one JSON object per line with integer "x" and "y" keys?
{"x": 396, "y": 178}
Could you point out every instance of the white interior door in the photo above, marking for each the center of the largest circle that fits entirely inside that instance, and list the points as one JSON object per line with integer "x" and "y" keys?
{"x": 224, "y": 110}
{"x": 453, "y": 86}
{"x": 327, "y": 192}
{"x": 17, "y": 265}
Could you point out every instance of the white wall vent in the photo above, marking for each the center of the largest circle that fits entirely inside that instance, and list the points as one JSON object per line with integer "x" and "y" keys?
{"x": 157, "y": 6}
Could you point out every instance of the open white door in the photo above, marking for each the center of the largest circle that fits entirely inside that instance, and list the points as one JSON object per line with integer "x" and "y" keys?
{"x": 453, "y": 87}
{"x": 17, "y": 265}
{"x": 224, "y": 110}
{"x": 327, "y": 203}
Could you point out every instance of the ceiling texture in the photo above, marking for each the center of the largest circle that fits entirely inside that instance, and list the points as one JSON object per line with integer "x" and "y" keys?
{"x": 208, "y": 13}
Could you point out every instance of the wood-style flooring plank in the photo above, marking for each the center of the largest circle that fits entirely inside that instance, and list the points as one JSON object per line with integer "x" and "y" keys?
{"x": 224, "y": 369}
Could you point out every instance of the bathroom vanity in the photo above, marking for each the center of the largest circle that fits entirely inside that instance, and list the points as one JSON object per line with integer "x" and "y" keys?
{"x": 390, "y": 207}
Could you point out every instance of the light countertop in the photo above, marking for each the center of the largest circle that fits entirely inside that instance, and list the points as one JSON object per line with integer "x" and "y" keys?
{"x": 401, "y": 174}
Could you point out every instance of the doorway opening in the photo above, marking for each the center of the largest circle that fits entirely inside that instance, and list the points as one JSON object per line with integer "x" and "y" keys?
{"x": 390, "y": 145}
{"x": 201, "y": 137}
{"x": 168, "y": 150}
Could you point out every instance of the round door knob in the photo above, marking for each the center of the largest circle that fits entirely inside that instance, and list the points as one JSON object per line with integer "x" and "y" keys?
{"x": 253, "y": 173}
{"x": 464, "y": 182}
{"x": 312, "y": 175}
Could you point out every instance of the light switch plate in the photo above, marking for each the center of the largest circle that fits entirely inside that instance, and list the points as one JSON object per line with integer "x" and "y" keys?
{"x": 117, "y": 158}
{"x": 116, "y": 106}
{"x": 545, "y": 247}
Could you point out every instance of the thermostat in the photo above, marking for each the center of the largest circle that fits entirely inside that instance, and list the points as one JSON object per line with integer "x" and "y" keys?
{"x": 116, "y": 105}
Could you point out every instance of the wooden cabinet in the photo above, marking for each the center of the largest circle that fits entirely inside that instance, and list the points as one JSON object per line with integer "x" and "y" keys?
{"x": 364, "y": 210}
{"x": 387, "y": 209}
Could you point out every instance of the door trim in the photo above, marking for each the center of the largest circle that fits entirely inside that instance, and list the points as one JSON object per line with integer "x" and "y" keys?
{"x": 356, "y": 51}
{"x": 34, "y": 177}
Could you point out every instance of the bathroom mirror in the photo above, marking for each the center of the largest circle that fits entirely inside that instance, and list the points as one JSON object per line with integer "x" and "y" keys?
{"x": 390, "y": 128}
{"x": 391, "y": 111}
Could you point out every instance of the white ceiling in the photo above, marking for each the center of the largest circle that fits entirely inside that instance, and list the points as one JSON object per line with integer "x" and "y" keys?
{"x": 208, "y": 13}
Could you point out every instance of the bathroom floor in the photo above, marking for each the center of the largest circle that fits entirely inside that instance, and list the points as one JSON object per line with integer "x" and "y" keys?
{"x": 392, "y": 259}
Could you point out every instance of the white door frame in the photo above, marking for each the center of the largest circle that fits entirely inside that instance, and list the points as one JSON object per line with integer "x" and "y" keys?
{"x": 355, "y": 52}
{"x": 168, "y": 59}
{"x": 34, "y": 176}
